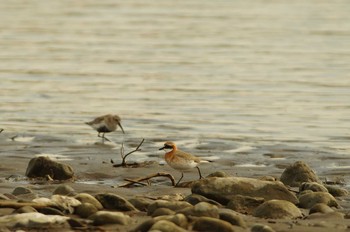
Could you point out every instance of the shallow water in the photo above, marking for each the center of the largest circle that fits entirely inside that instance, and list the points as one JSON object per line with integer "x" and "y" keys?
{"x": 226, "y": 78}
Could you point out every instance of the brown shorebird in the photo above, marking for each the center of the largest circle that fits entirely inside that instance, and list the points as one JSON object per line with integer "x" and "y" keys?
{"x": 180, "y": 160}
{"x": 105, "y": 124}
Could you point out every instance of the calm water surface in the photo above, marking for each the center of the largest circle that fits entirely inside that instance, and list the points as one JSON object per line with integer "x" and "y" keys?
{"x": 217, "y": 76}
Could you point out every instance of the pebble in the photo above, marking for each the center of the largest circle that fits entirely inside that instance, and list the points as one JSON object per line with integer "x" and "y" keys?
{"x": 233, "y": 218}
{"x": 308, "y": 200}
{"x": 313, "y": 186}
{"x": 261, "y": 228}
{"x": 320, "y": 208}
{"x": 212, "y": 224}
{"x": 87, "y": 198}
{"x": 166, "y": 226}
{"x": 85, "y": 210}
{"x": 244, "y": 204}
{"x": 201, "y": 209}
{"x": 64, "y": 190}
{"x": 114, "y": 202}
{"x": 277, "y": 209}
{"x": 173, "y": 205}
{"x": 107, "y": 217}
{"x": 297, "y": 173}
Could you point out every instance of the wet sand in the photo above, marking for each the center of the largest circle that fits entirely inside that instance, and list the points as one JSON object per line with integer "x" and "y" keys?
{"x": 94, "y": 173}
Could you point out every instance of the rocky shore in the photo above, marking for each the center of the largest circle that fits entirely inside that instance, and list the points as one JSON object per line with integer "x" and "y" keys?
{"x": 297, "y": 201}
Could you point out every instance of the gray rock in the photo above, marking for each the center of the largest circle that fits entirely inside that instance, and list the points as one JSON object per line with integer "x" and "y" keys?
{"x": 162, "y": 211}
{"x": 200, "y": 210}
{"x": 298, "y": 173}
{"x": 223, "y": 189}
{"x": 277, "y": 209}
{"x": 87, "y": 198}
{"x": 166, "y": 226}
{"x": 64, "y": 203}
{"x": 85, "y": 210}
{"x": 313, "y": 186}
{"x": 43, "y": 166}
{"x": 310, "y": 199}
{"x": 50, "y": 211}
{"x": 212, "y": 224}
{"x": 115, "y": 202}
{"x": 233, "y": 218}
{"x": 320, "y": 208}
{"x": 21, "y": 190}
{"x": 173, "y": 205}
{"x": 261, "y": 228}
{"x": 106, "y": 217}
{"x": 26, "y": 209}
{"x": 218, "y": 174}
{"x": 34, "y": 219}
{"x": 336, "y": 191}
{"x": 141, "y": 203}
{"x": 64, "y": 190}
{"x": 244, "y": 204}
{"x": 194, "y": 199}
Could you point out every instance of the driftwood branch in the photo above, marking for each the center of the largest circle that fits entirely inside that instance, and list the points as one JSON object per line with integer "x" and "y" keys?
{"x": 17, "y": 205}
{"x": 140, "y": 179}
{"x": 123, "y": 163}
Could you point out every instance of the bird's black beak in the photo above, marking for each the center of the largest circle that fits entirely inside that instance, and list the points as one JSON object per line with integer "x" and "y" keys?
{"x": 120, "y": 125}
{"x": 162, "y": 148}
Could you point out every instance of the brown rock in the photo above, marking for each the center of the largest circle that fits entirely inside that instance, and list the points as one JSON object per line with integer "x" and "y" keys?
{"x": 115, "y": 202}
{"x": 313, "y": 186}
{"x": 298, "y": 173}
{"x": 310, "y": 199}
{"x": 212, "y": 224}
{"x": 244, "y": 204}
{"x": 277, "y": 209}
{"x": 320, "y": 208}
{"x": 173, "y": 205}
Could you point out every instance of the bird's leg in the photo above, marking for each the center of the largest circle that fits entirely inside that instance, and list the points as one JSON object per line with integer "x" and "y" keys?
{"x": 182, "y": 175}
{"x": 105, "y": 137}
{"x": 199, "y": 172}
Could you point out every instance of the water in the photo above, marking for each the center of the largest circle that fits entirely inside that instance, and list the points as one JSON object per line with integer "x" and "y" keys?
{"x": 214, "y": 76}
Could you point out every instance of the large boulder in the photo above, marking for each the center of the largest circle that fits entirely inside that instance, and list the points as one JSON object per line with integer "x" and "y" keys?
{"x": 223, "y": 189}
{"x": 44, "y": 166}
{"x": 296, "y": 174}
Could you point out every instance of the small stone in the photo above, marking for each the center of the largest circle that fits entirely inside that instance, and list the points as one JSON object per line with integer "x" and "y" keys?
{"x": 76, "y": 223}
{"x": 85, "y": 210}
{"x": 50, "y": 211}
{"x": 261, "y": 228}
{"x": 87, "y": 198}
{"x": 244, "y": 204}
{"x": 106, "y": 217}
{"x": 233, "y": 218}
{"x": 32, "y": 220}
{"x": 218, "y": 174}
{"x": 308, "y": 200}
{"x": 336, "y": 191}
{"x": 115, "y": 202}
{"x": 331, "y": 216}
{"x": 194, "y": 199}
{"x": 277, "y": 209}
{"x": 6, "y": 211}
{"x": 173, "y": 205}
{"x": 65, "y": 203}
{"x": 313, "y": 186}
{"x": 21, "y": 190}
{"x": 43, "y": 166}
{"x": 166, "y": 226}
{"x": 212, "y": 224}
{"x": 298, "y": 173}
{"x": 144, "y": 226}
{"x": 268, "y": 178}
{"x": 26, "y": 209}
{"x": 200, "y": 210}
{"x": 141, "y": 203}
{"x": 162, "y": 211}
{"x": 64, "y": 190}
{"x": 320, "y": 208}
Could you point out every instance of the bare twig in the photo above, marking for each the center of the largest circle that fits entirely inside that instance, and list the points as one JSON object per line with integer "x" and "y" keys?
{"x": 124, "y": 164}
{"x": 138, "y": 180}
{"x": 1, "y": 130}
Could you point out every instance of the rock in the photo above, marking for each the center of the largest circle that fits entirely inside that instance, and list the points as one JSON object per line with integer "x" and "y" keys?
{"x": 218, "y": 174}
{"x": 64, "y": 190}
{"x": 85, "y": 210}
{"x": 115, "y": 202}
{"x": 50, "y": 211}
{"x": 145, "y": 226}
{"x": 34, "y": 219}
{"x": 320, "y": 208}
{"x": 6, "y": 211}
{"x": 336, "y": 191}
{"x": 43, "y": 166}
{"x": 65, "y": 203}
{"x": 277, "y": 209}
{"x": 26, "y": 209}
{"x": 162, "y": 211}
{"x": 267, "y": 178}
{"x": 141, "y": 203}
{"x": 87, "y": 198}
{"x": 77, "y": 224}
{"x": 223, "y": 189}
{"x": 194, "y": 199}
{"x": 106, "y": 217}
{"x": 166, "y": 226}
{"x": 21, "y": 190}
{"x": 331, "y": 216}
{"x": 232, "y": 217}
{"x": 261, "y": 228}
{"x": 313, "y": 186}
{"x": 212, "y": 224}
{"x": 200, "y": 210}
{"x": 244, "y": 204}
{"x": 173, "y": 205}
{"x": 310, "y": 199}
{"x": 179, "y": 219}
{"x": 298, "y": 173}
